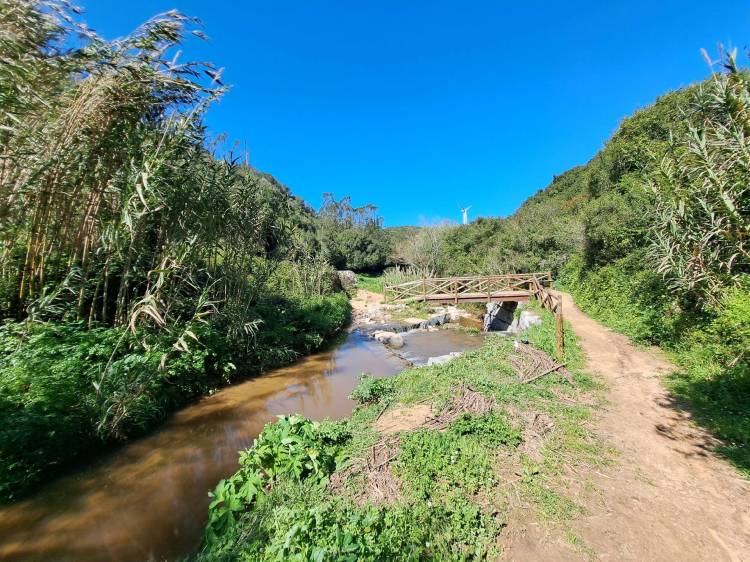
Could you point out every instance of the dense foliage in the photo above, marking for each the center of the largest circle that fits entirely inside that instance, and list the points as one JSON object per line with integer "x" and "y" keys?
{"x": 702, "y": 227}
{"x": 140, "y": 265}
{"x": 353, "y": 237}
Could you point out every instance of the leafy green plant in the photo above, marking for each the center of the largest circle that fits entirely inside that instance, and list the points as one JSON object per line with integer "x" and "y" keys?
{"x": 493, "y": 429}
{"x": 293, "y": 448}
{"x": 434, "y": 461}
{"x": 67, "y": 390}
{"x": 702, "y": 202}
{"x": 371, "y": 390}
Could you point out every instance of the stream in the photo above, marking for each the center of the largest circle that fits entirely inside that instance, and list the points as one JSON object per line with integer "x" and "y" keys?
{"x": 148, "y": 500}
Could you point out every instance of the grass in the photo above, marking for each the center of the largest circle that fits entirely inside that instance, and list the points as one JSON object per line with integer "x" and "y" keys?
{"x": 717, "y": 396}
{"x": 456, "y": 488}
{"x": 369, "y": 282}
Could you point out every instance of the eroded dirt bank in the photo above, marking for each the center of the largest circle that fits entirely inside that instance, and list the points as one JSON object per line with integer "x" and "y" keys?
{"x": 666, "y": 497}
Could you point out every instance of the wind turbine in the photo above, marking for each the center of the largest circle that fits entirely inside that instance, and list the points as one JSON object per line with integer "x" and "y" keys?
{"x": 465, "y": 213}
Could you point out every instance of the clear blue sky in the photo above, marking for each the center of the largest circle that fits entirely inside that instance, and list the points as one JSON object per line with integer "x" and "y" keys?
{"x": 418, "y": 107}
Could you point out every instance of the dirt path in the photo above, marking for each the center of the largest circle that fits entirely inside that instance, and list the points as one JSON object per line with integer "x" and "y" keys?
{"x": 365, "y": 302}
{"x": 667, "y": 497}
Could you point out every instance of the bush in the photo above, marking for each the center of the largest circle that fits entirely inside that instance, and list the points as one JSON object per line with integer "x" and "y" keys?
{"x": 65, "y": 390}
{"x": 291, "y": 326}
{"x": 292, "y": 449}
{"x": 715, "y": 374}
{"x": 625, "y": 296}
{"x": 371, "y": 390}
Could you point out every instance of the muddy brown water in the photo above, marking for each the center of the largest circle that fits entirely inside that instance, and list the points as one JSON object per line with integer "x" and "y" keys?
{"x": 148, "y": 500}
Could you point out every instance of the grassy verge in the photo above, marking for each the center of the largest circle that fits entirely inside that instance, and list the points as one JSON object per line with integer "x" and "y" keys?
{"x": 369, "y": 282}
{"x": 66, "y": 390}
{"x": 350, "y": 490}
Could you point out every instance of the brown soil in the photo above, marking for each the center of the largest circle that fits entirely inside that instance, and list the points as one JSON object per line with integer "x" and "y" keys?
{"x": 409, "y": 418}
{"x": 536, "y": 429}
{"x": 404, "y": 418}
{"x": 365, "y": 302}
{"x": 667, "y": 496}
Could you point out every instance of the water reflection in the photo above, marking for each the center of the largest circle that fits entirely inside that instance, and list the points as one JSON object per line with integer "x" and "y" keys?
{"x": 148, "y": 500}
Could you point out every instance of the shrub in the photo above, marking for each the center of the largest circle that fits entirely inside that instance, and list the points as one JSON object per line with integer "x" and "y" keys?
{"x": 65, "y": 390}
{"x": 371, "y": 390}
{"x": 715, "y": 374}
{"x": 625, "y": 296}
{"x": 292, "y": 449}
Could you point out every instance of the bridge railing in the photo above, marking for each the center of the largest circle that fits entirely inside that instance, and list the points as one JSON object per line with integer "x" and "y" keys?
{"x": 457, "y": 287}
{"x": 545, "y": 297}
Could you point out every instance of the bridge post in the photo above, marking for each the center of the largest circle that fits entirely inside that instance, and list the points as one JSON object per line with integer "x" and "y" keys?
{"x": 560, "y": 333}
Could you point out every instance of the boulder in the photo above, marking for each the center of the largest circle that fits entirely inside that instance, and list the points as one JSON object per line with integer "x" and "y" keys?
{"x": 456, "y": 314}
{"x": 441, "y": 359}
{"x": 391, "y": 339}
{"x": 499, "y": 316}
{"x": 525, "y": 320}
{"x": 347, "y": 279}
{"x": 396, "y": 342}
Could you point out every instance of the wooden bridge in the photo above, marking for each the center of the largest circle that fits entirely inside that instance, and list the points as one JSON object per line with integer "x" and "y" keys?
{"x": 519, "y": 287}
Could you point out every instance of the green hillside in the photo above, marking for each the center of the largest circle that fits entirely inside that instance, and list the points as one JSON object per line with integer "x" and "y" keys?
{"x": 651, "y": 237}
{"x": 599, "y": 210}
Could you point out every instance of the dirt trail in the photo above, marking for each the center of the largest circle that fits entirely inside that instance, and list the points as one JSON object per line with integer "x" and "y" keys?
{"x": 365, "y": 304}
{"x": 667, "y": 497}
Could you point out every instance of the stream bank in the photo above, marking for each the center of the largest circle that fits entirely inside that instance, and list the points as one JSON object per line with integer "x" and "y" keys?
{"x": 148, "y": 500}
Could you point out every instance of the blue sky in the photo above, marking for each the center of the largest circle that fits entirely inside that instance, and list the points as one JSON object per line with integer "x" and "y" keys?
{"x": 419, "y": 107}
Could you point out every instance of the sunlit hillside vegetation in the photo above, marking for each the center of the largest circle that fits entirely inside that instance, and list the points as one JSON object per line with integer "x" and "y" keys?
{"x": 142, "y": 264}
{"x": 652, "y": 236}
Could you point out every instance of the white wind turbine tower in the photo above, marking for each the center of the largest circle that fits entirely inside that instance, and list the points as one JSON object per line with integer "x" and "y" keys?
{"x": 465, "y": 213}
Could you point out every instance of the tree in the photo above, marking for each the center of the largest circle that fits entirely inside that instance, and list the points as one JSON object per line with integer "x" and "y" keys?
{"x": 352, "y": 237}
{"x": 426, "y": 249}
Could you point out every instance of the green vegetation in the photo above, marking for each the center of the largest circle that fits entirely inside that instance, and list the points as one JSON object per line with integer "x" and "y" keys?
{"x": 352, "y": 237}
{"x": 139, "y": 269}
{"x": 651, "y": 237}
{"x": 370, "y": 282}
{"x": 371, "y": 390}
{"x": 305, "y": 491}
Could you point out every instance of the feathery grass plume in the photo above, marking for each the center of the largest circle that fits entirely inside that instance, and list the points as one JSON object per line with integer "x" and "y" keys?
{"x": 702, "y": 232}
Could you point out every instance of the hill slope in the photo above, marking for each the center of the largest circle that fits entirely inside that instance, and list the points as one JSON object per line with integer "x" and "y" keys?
{"x": 650, "y": 236}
